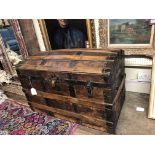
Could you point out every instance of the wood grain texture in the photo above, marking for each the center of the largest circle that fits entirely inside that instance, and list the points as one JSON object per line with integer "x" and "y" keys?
{"x": 83, "y": 61}
{"x": 29, "y": 35}
{"x": 71, "y": 114}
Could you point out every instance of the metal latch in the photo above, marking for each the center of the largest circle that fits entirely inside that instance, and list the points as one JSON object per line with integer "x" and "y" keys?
{"x": 89, "y": 87}
{"x": 54, "y": 81}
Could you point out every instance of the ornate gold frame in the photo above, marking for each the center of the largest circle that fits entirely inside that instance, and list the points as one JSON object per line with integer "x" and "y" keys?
{"x": 90, "y": 28}
{"x": 89, "y": 32}
{"x": 131, "y": 45}
{"x": 129, "y": 50}
{"x": 44, "y": 33}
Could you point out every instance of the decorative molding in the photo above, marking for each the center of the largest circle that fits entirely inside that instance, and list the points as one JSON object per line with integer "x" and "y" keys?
{"x": 92, "y": 23}
{"x": 44, "y": 33}
{"x": 97, "y": 37}
{"x": 139, "y": 51}
{"x": 89, "y": 32}
{"x": 39, "y": 34}
{"x": 103, "y": 33}
{"x": 19, "y": 37}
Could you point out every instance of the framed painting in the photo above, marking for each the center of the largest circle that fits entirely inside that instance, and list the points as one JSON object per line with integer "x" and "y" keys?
{"x": 130, "y": 33}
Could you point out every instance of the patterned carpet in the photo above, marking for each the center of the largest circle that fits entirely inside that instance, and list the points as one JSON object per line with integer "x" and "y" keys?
{"x": 20, "y": 120}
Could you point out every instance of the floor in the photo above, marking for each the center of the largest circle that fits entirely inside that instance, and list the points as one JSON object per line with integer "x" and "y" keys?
{"x": 131, "y": 122}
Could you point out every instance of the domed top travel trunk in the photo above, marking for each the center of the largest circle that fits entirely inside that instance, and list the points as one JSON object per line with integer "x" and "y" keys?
{"x": 86, "y": 86}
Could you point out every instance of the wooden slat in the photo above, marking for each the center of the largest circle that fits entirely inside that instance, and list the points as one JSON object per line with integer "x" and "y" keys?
{"x": 29, "y": 35}
{"x": 83, "y": 49}
{"x": 74, "y": 121}
{"x": 119, "y": 91}
{"x": 83, "y": 118}
{"x": 76, "y": 53}
{"x": 79, "y": 61}
{"x": 100, "y": 51}
{"x": 84, "y": 124}
{"x": 46, "y": 75}
{"x": 71, "y": 57}
{"x": 84, "y": 102}
{"x": 64, "y": 67}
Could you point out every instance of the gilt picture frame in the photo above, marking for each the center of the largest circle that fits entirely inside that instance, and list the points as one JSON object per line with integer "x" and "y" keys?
{"x": 130, "y": 33}
{"x": 90, "y": 33}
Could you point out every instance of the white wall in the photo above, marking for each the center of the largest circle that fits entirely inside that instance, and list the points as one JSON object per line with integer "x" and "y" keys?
{"x": 132, "y": 83}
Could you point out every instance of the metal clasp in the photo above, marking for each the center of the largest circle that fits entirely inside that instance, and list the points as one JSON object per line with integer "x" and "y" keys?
{"x": 89, "y": 87}
{"x": 53, "y": 81}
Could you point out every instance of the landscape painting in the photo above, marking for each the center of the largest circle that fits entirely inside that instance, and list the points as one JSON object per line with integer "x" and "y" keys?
{"x": 129, "y": 31}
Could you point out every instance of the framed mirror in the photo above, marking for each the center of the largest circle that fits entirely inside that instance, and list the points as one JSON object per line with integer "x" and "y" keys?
{"x": 49, "y": 28}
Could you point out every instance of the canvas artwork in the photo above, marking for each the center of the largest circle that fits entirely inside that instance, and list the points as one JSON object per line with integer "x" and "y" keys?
{"x": 129, "y": 31}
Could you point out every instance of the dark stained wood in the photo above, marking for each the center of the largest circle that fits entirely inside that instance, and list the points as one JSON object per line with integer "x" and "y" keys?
{"x": 73, "y": 120}
{"x": 71, "y": 63}
{"x": 75, "y": 50}
{"x": 89, "y": 107}
{"x": 61, "y": 88}
{"x": 71, "y": 57}
{"x": 84, "y": 118}
{"x": 80, "y": 101}
{"x": 29, "y": 35}
{"x": 64, "y": 67}
{"x": 119, "y": 91}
